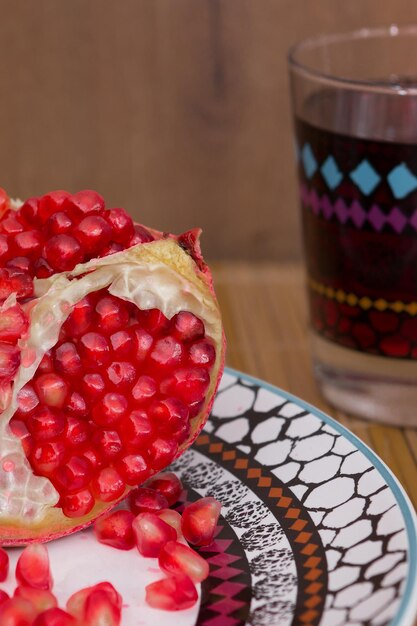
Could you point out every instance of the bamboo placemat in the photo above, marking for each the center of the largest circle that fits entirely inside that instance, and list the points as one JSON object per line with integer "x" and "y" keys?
{"x": 265, "y": 318}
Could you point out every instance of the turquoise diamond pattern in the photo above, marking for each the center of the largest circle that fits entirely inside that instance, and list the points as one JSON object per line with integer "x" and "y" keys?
{"x": 401, "y": 181}
{"x": 365, "y": 177}
{"x": 331, "y": 173}
{"x": 309, "y": 161}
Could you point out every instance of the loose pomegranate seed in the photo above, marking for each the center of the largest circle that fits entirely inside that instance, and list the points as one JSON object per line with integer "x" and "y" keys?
{"x": 13, "y": 324}
{"x": 9, "y": 360}
{"x": 145, "y": 500}
{"x": 121, "y": 224}
{"x": 202, "y": 353}
{"x": 188, "y": 327}
{"x": 17, "y": 612}
{"x": 58, "y": 223}
{"x": 42, "y": 599}
{"x": 67, "y": 360}
{"x": 177, "y": 558}
{"x": 45, "y": 424}
{"x": 63, "y": 252}
{"x": 108, "y": 485}
{"x": 145, "y": 389}
{"x": 3, "y": 597}
{"x": 136, "y": 429}
{"x": 151, "y": 534}
{"x": 133, "y": 469}
{"x": 94, "y": 349}
{"x": 80, "y": 318}
{"x": 115, "y": 529}
{"x": 174, "y": 593}
{"x": 110, "y": 409}
{"x": 27, "y": 399}
{"x": 121, "y": 375}
{"x": 93, "y": 233}
{"x": 48, "y": 204}
{"x": 162, "y": 452}
{"x": 13, "y": 280}
{"x": 46, "y": 458}
{"x": 51, "y": 390}
{"x": 77, "y": 504}
{"x": 199, "y": 521}
{"x": 173, "y": 518}
{"x": 28, "y": 244}
{"x": 76, "y": 603}
{"x": 32, "y": 568}
{"x": 55, "y": 617}
{"x": 100, "y": 610}
{"x": 4, "y": 565}
{"x": 168, "y": 484}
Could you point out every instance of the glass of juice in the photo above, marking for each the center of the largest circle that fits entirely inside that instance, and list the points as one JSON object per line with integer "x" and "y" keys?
{"x": 354, "y": 99}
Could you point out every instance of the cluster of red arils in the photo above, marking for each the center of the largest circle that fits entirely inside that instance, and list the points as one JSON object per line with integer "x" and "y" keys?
{"x": 150, "y": 526}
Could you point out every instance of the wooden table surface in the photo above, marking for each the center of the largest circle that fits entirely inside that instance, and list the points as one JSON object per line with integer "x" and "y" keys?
{"x": 265, "y": 318}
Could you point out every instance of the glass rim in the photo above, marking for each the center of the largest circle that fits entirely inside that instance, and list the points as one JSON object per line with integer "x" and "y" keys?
{"x": 315, "y": 42}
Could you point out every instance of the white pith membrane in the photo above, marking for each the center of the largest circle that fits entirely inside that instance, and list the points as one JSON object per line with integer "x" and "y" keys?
{"x": 156, "y": 275}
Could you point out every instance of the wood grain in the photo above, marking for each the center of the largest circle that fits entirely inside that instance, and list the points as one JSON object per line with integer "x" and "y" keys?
{"x": 176, "y": 109}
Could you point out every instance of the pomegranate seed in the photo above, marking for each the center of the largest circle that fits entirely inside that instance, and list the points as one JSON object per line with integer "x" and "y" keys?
{"x": 174, "y": 593}
{"x": 99, "y": 610}
{"x": 115, "y": 529}
{"x": 93, "y": 232}
{"x": 173, "y": 518}
{"x": 167, "y": 352}
{"x": 32, "y": 568}
{"x": 93, "y": 387}
{"x": 94, "y": 349}
{"x": 85, "y": 202}
{"x": 121, "y": 224}
{"x": 190, "y": 384}
{"x": 91, "y": 455}
{"x": 13, "y": 324}
{"x": 76, "y": 604}
{"x": 42, "y": 268}
{"x": 141, "y": 235}
{"x": 15, "y": 281}
{"x": 9, "y": 360}
{"x": 4, "y": 202}
{"x": 80, "y": 318}
{"x": 51, "y": 390}
{"x": 144, "y": 389}
{"x": 187, "y": 327}
{"x": 76, "y": 406}
{"x": 4, "y": 565}
{"x": 45, "y": 424}
{"x": 63, "y": 252}
{"x": 58, "y": 223}
{"x": 111, "y": 248}
{"x": 169, "y": 414}
{"x": 112, "y": 315}
{"x": 108, "y": 485}
{"x": 17, "y": 612}
{"x": 146, "y": 500}
{"x": 177, "y": 558}
{"x": 143, "y": 341}
{"x": 133, "y": 469}
{"x": 151, "y": 533}
{"x": 29, "y": 210}
{"x": 20, "y": 430}
{"x": 110, "y": 409}
{"x": 20, "y": 263}
{"x": 122, "y": 344}
{"x": 136, "y": 429}
{"x": 67, "y": 360}
{"x": 121, "y": 374}
{"x": 3, "y": 597}
{"x": 46, "y": 366}
{"x": 77, "y": 431}
{"x": 154, "y": 321}
{"x": 107, "y": 443}
{"x": 29, "y": 243}
{"x": 42, "y": 599}
{"x": 11, "y": 225}
{"x": 27, "y": 399}
{"x": 202, "y": 353}
{"x": 51, "y": 203}
{"x": 168, "y": 484}
{"x": 55, "y": 617}
{"x": 74, "y": 475}
{"x": 162, "y": 452}
{"x": 47, "y": 457}
{"x": 199, "y": 521}
{"x": 4, "y": 248}
{"x": 77, "y": 504}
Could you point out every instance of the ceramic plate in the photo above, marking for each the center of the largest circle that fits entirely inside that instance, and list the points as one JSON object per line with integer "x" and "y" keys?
{"x": 315, "y": 529}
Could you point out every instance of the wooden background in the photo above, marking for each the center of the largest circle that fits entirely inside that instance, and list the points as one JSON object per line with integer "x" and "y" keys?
{"x": 176, "y": 109}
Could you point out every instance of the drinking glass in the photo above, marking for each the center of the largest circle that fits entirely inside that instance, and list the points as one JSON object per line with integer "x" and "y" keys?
{"x": 354, "y": 100}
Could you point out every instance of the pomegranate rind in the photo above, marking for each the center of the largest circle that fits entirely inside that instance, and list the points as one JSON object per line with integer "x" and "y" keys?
{"x": 160, "y": 274}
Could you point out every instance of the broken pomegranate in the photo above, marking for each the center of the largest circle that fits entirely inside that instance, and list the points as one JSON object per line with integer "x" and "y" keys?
{"x": 111, "y": 350}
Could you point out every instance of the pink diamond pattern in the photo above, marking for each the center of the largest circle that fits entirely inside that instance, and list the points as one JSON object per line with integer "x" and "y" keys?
{"x": 377, "y": 217}
{"x": 221, "y": 620}
{"x": 397, "y": 220}
{"x": 357, "y": 214}
{"x": 223, "y": 559}
{"x": 228, "y": 605}
{"x": 228, "y": 588}
{"x": 226, "y": 572}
